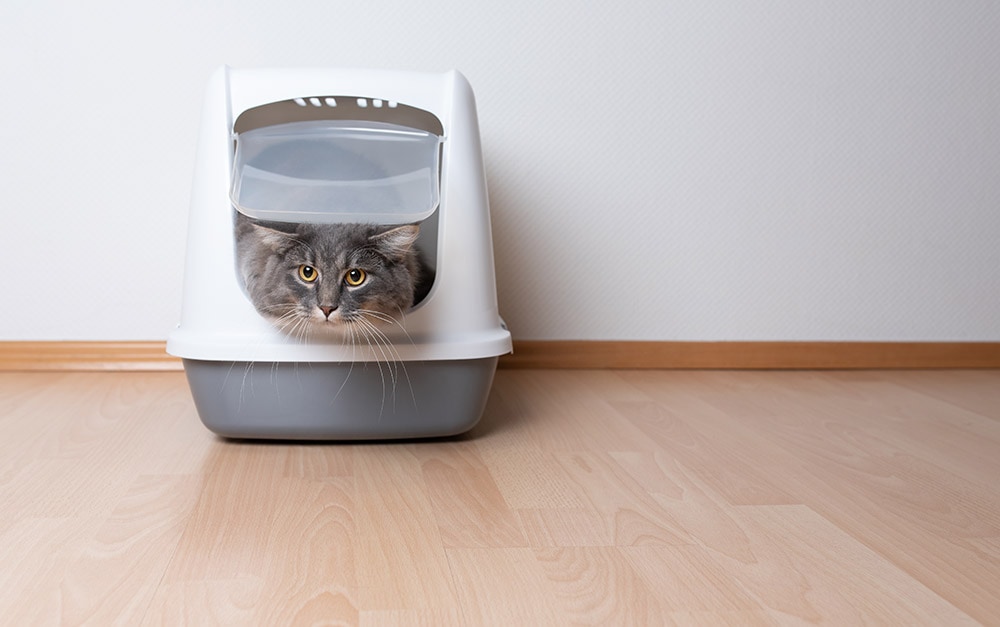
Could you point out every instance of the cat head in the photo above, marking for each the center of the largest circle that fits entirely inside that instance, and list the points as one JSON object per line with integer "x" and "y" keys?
{"x": 306, "y": 277}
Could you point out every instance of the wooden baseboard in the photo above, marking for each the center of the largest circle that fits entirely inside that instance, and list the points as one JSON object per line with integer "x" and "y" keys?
{"x": 151, "y": 356}
{"x": 753, "y": 355}
{"x": 86, "y": 356}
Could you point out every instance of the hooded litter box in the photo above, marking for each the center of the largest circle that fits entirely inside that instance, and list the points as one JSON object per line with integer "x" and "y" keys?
{"x": 390, "y": 148}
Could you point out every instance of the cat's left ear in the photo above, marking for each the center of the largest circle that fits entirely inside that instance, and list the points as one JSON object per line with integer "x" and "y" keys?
{"x": 396, "y": 243}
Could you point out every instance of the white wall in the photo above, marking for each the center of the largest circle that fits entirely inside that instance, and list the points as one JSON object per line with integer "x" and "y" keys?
{"x": 659, "y": 169}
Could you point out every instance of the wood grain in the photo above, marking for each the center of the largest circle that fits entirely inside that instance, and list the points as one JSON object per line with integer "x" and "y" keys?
{"x": 532, "y": 354}
{"x": 637, "y": 497}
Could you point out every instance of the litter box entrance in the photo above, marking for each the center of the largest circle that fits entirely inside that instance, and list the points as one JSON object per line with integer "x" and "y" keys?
{"x": 329, "y": 159}
{"x": 336, "y": 171}
{"x": 340, "y": 159}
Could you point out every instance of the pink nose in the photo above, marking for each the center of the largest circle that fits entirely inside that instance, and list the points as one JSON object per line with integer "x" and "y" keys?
{"x": 327, "y": 310}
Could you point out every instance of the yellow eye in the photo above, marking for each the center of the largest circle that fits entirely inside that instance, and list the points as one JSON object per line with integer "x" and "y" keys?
{"x": 355, "y": 277}
{"x": 308, "y": 273}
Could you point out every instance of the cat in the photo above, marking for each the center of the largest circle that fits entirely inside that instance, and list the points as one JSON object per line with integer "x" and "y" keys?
{"x": 329, "y": 277}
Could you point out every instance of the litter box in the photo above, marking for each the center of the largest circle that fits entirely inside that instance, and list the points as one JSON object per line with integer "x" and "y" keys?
{"x": 382, "y": 147}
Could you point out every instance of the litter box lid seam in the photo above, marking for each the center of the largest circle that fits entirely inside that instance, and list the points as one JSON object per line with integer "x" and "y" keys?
{"x": 240, "y": 347}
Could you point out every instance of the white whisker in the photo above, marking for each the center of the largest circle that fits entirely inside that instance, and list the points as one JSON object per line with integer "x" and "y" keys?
{"x": 382, "y": 347}
{"x": 384, "y": 317}
{"x": 396, "y": 359}
{"x": 377, "y": 363}
{"x": 350, "y": 333}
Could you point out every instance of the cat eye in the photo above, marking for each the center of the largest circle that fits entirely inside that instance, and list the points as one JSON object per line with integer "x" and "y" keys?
{"x": 308, "y": 273}
{"x": 355, "y": 277}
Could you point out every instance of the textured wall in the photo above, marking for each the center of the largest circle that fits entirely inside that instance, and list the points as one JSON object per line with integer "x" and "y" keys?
{"x": 658, "y": 169}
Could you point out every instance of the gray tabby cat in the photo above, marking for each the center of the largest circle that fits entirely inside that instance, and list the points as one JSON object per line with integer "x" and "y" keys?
{"x": 305, "y": 277}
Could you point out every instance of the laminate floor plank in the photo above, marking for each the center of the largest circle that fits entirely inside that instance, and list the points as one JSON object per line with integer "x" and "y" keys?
{"x": 582, "y": 497}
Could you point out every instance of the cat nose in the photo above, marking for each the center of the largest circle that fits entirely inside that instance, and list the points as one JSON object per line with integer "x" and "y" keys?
{"x": 327, "y": 310}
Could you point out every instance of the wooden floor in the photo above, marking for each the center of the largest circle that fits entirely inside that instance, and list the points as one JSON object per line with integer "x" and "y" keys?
{"x": 583, "y": 497}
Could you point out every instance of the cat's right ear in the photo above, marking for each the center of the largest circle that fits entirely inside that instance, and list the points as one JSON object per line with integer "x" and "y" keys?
{"x": 277, "y": 241}
{"x": 249, "y": 229}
